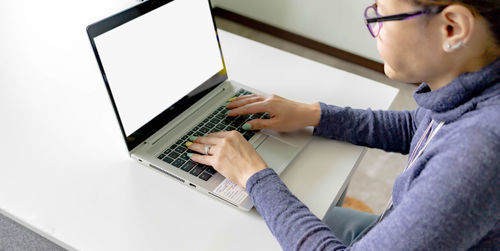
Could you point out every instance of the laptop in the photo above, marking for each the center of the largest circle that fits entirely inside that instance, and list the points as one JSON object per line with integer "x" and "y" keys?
{"x": 163, "y": 69}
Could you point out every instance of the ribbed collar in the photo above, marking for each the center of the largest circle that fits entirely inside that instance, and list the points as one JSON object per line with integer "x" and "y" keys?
{"x": 460, "y": 95}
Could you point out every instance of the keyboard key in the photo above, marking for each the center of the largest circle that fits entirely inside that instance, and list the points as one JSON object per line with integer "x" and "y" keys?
{"x": 236, "y": 123}
{"x": 204, "y": 130}
{"x": 168, "y": 160}
{"x": 179, "y": 150}
{"x": 184, "y": 138}
{"x": 178, "y": 163}
{"x": 172, "y": 147}
{"x": 188, "y": 166}
{"x": 197, "y": 134}
{"x": 161, "y": 156}
{"x": 184, "y": 157}
{"x": 220, "y": 127}
{"x": 174, "y": 155}
{"x": 205, "y": 176}
{"x": 227, "y": 120}
{"x": 211, "y": 170}
{"x": 210, "y": 125}
{"x": 248, "y": 135}
{"x": 197, "y": 170}
{"x": 182, "y": 148}
{"x": 245, "y": 117}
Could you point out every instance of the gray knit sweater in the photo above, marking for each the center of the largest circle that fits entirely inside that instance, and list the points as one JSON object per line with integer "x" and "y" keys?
{"x": 448, "y": 200}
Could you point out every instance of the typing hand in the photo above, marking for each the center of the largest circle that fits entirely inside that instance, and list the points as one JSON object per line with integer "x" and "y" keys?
{"x": 286, "y": 115}
{"x": 228, "y": 153}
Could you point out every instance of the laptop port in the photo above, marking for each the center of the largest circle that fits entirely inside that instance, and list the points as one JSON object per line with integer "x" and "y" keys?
{"x": 192, "y": 185}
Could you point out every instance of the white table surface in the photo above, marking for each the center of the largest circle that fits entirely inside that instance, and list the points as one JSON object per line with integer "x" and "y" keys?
{"x": 65, "y": 172}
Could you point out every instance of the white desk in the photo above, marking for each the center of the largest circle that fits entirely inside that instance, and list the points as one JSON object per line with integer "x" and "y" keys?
{"x": 65, "y": 172}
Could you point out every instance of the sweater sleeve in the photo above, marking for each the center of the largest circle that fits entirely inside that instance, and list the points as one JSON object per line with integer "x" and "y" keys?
{"x": 451, "y": 205}
{"x": 290, "y": 221}
{"x": 387, "y": 130}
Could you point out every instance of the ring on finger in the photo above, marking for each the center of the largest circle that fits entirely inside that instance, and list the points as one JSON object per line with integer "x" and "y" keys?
{"x": 206, "y": 149}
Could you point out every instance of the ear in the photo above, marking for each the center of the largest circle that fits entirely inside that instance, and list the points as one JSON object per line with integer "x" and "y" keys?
{"x": 457, "y": 27}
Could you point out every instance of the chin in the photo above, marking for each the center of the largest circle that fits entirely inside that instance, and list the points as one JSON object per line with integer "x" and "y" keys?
{"x": 398, "y": 76}
{"x": 389, "y": 71}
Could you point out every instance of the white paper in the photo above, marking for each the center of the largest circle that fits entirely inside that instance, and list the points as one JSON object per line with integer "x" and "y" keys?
{"x": 231, "y": 192}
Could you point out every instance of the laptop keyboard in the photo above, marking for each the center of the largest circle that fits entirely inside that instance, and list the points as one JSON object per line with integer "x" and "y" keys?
{"x": 176, "y": 154}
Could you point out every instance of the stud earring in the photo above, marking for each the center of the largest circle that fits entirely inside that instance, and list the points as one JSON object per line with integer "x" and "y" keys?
{"x": 453, "y": 47}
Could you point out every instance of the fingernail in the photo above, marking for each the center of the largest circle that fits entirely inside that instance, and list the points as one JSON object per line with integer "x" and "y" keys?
{"x": 189, "y": 143}
{"x": 189, "y": 155}
{"x": 227, "y": 103}
{"x": 232, "y": 99}
{"x": 192, "y": 138}
{"x": 246, "y": 126}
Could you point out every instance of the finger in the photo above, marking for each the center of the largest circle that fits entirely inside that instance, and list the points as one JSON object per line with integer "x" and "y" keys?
{"x": 200, "y": 148}
{"x": 256, "y": 107}
{"x": 241, "y": 97}
{"x": 244, "y": 101}
{"x": 209, "y": 139}
{"x": 258, "y": 124}
{"x": 203, "y": 159}
{"x": 221, "y": 134}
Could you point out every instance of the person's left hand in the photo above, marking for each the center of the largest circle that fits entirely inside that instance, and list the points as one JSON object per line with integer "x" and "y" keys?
{"x": 230, "y": 154}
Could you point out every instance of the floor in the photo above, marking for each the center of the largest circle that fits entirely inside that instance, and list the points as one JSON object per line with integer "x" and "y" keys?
{"x": 371, "y": 183}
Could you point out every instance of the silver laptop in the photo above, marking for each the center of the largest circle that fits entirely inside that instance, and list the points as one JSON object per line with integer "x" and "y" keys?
{"x": 165, "y": 75}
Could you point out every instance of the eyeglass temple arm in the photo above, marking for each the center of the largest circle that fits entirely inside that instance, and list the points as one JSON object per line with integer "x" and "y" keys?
{"x": 393, "y": 17}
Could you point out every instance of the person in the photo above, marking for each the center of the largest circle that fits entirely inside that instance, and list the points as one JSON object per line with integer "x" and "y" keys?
{"x": 448, "y": 197}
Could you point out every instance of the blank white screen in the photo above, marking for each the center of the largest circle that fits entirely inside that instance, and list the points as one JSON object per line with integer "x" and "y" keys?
{"x": 174, "y": 45}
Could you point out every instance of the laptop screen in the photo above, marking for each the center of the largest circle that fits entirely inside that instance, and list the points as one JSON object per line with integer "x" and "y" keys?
{"x": 157, "y": 43}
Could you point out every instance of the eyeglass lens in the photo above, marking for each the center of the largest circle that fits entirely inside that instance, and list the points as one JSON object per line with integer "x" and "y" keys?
{"x": 375, "y": 26}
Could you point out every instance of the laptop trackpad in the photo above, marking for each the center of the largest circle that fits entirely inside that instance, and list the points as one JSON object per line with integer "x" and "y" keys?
{"x": 277, "y": 154}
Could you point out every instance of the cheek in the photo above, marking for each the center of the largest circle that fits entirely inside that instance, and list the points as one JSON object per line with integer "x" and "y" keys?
{"x": 381, "y": 48}
{"x": 409, "y": 51}
{"x": 395, "y": 59}
{"x": 387, "y": 44}
{"x": 388, "y": 49}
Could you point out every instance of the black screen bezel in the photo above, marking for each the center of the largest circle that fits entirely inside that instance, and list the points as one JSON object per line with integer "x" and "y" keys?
{"x": 174, "y": 110}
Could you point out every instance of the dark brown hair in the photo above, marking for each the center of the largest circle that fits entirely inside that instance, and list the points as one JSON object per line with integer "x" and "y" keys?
{"x": 488, "y": 9}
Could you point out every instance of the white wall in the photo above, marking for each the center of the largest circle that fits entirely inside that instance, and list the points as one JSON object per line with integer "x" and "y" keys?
{"x": 338, "y": 23}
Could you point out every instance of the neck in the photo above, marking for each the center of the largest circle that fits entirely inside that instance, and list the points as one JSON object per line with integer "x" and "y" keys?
{"x": 470, "y": 65}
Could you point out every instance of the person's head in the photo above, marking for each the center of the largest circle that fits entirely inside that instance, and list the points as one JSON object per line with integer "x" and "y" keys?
{"x": 450, "y": 37}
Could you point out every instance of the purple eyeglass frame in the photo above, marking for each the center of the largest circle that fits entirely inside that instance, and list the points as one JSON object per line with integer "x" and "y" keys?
{"x": 398, "y": 17}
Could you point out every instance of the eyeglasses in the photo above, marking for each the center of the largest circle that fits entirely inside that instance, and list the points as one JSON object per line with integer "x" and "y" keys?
{"x": 374, "y": 21}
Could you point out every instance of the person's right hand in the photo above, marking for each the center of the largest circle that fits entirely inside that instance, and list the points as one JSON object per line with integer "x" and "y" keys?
{"x": 286, "y": 115}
